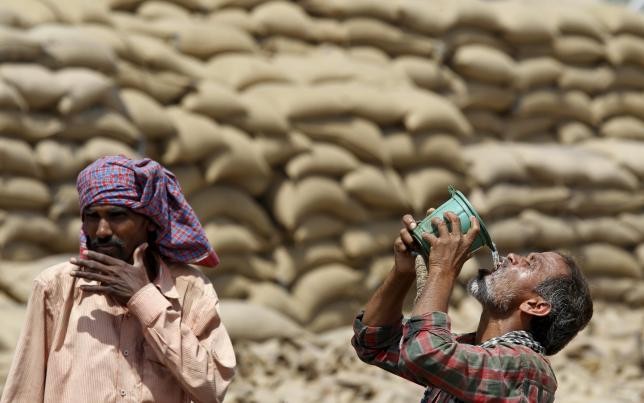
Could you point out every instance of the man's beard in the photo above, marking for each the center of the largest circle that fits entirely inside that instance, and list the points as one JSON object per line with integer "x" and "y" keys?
{"x": 492, "y": 292}
{"x": 112, "y": 246}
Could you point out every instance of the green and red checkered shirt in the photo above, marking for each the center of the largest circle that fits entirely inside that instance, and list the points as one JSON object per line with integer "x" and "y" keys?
{"x": 424, "y": 350}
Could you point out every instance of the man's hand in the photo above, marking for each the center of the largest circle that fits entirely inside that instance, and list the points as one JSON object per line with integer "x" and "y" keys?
{"x": 450, "y": 249}
{"x": 403, "y": 258}
{"x": 116, "y": 278}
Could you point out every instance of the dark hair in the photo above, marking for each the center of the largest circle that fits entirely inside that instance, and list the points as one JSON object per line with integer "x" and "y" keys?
{"x": 571, "y": 308}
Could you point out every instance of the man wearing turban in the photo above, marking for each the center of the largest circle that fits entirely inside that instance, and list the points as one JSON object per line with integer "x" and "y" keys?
{"x": 128, "y": 320}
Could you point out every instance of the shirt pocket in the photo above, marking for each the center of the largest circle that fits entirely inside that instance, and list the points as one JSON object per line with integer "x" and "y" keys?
{"x": 159, "y": 384}
{"x": 535, "y": 392}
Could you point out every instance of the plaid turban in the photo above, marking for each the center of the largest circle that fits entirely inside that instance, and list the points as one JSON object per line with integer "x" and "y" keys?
{"x": 147, "y": 188}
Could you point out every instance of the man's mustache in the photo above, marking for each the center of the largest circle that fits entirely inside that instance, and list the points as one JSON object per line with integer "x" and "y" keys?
{"x": 112, "y": 242}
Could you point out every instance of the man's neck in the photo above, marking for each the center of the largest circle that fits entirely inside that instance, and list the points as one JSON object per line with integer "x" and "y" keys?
{"x": 493, "y": 325}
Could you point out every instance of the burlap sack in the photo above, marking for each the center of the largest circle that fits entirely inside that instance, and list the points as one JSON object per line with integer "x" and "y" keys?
{"x": 252, "y": 266}
{"x": 323, "y": 65}
{"x": 512, "y": 234}
{"x": 23, "y": 193}
{"x": 241, "y": 70}
{"x": 330, "y": 31}
{"x": 83, "y": 88}
{"x": 626, "y": 48}
{"x": 27, "y": 227}
{"x": 623, "y": 127}
{"x": 154, "y": 53}
{"x": 465, "y": 36}
{"x": 57, "y": 160}
{"x": 505, "y": 198}
{"x": 260, "y": 117}
{"x": 574, "y": 132}
{"x": 520, "y": 128}
{"x": 226, "y": 201}
{"x": 230, "y": 238}
{"x": 617, "y": 19}
{"x": 65, "y": 201}
{"x": 36, "y": 84}
{"x": 282, "y": 18}
{"x": 519, "y": 25}
{"x": 618, "y": 103}
{"x": 569, "y": 20}
{"x": 31, "y": 127}
{"x": 235, "y": 17}
{"x": 572, "y": 104}
{"x": 430, "y": 19}
{"x": 28, "y": 13}
{"x": 324, "y": 284}
{"x": 485, "y": 122}
{"x": 67, "y": 47}
{"x": 335, "y": 315}
{"x": 370, "y": 239}
{"x": 275, "y": 297}
{"x": 628, "y": 77}
{"x": 69, "y": 228}
{"x": 610, "y": 288}
{"x": 158, "y": 10}
{"x": 600, "y": 259}
{"x": 10, "y": 98}
{"x": 490, "y": 163}
{"x": 607, "y": 230}
{"x": 315, "y": 254}
{"x": 145, "y": 113}
{"x": 16, "y": 46}
{"x": 484, "y": 63}
{"x": 77, "y": 11}
{"x": 276, "y": 151}
{"x": 108, "y": 36}
{"x": 626, "y": 152}
{"x": 123, "y": 4}
{"x": 100, "y": 122}
{"x": 22, "y": 251}
{"x": 536, "y": 72}
{"x": 322, "y": 159}
{"x": 98, "y": 147}
{"x": 376, "y": 187}
{"x": 17, "y": 157}
{"x": 428, "y": 111}
{"x": 371, "y": 32}
{"x": 576, "y": 49}
{"x": 426, "y": 149}
{"x": 427, "y": 187}
{"x": 215, "y": 100}
{"x": 387, "y": 11}
{"x": 371, "y": 102}
{"x": 639, "y": 252}
{"x": 551, "y": 232}
{"x": 248, "y": 321}
{"x": 188, "y": 38}
{"x": 589, "y": 80}
{"x": 229, "y": 286}
{"x": 604, "y": 202}
{"x": 190, "y": 178}
{"x": 197, "y": 137}
{"x": 359, "y": 136}
{"x": 318, "y": 226}
{"x": 166, "y": 87}
{"x": 424, "y": 73}
{"x": 487, "y": 97}
{"x": 238, "y": 163}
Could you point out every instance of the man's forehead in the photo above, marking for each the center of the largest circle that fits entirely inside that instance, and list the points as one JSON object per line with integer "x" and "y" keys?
{"x": 105, "y": 207}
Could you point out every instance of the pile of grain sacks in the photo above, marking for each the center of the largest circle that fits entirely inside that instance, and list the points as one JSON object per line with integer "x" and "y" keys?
{"x": 301, "y": 131}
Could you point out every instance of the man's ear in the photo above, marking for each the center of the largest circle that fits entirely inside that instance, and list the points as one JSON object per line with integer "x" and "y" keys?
{"x": 536, "y": 306}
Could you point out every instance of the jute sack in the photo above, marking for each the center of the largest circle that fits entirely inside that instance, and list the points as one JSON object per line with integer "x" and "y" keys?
{"x": 610, "y": 288}
{"x": 317, "y": 194}
{"x": 226, "y": 201}
{"x": 245, "y": 264}
{"x": 569, "y": 20}
{"x": 283, "y": 18}
{"x": 324, "y": 65}
{"x": 229, "y": 238}
{"x": 15, "y": 318}
{"x": 377, "y": 187}
{"x": 29, "y": 227}
{"x": 322, "y": 159}
{"x": 57, "y": 160}
{"x": 65, "y": 201}
{"x": 537, "y": 72}
{"x": 98, "y": 147}
{"x": 575, "y": 49}
{"x": 589, "y": 80}
{"x": 623, "y": 127}
{"x": 215, "y": 100}
{"x": 371, "y": 102}
{"x": 68, "y": 47}
{"x": 520, "y": 128}
{"x": 512, "y": 234}
{"x": 322, "y": 285}
{"x": 618, "y": 103}
{"x": 335, "y": 315}
{"x": 23, "y": 193}
{"x": 17, "y": 157}
{"x": 229, "y": 286}
{"x": 505, "y": 198}
{"x": 100, "y": 122}
{"x": 243, "y": 70}
{"x": 277, "y": 151}
{"x": 69, "y": 228}
{"x": 36, "y": 84}
{"x": 108, "y": 36}
{"x": 330, "y": 31}
{"x": 248, "y": 321}
{"x": 605, "y": 202}
{"x": 155, "y": 53}
{"x": 600, "y": 259}
{"x": 197, "y": 137}
{"x": 551, "y": 232}
{"x": 519, "y": 25}
{"x": 485, "y": 64}
{"x": 16, "y": 279}
{"x": 427, "y": 187}
{"x": 10, "y": 98}
{"x": 639, "y": 252}
{"x": 428, "y": 111}
{"x": 387, "y": 11}
{"x": 472, "y": 13}
{"x": 572, "y": 104}
{"x": 318, "y": 226}
{"x": 239, "y": 163}
{"x": 431, "y": 19}
{"x": 574, "y": 132}
{"x": 492, "y": 162}
{"x": 626, "y": 48}
{"x": 74, "y": 12}
{"x": 487, "y": 97}
{"x": 635, "y": 296}
{"x": 83, "y": 88}
{"x": 378, "y": 269}
{"x": 370, "y": 239}
{"x": 633, "y": 221}
{"x": 190, "y": 178}
{"x": 485, "y": 122}
{"x": 188, "y": 38}
{"x": 359, "y": 136}
{"x": 261, "y": 117}
{"x": 234, "y": 17}
{"x": 17, "y": 46}
{"x": 157, "y": 10}
{"x": 627, "y": 153}
{"x": 424, "y": 73}
{"x": 618, "y": 19}
{"x": 31, "y": 127}
{"x": 372, "y": 32}
{"x": 409, "y": 151}
{"x": 628, "y": 77}
{"x": 166, "y": 87}
{"x": 21, "y": 251}
{"x": 275, "y": 297}
{"x": 464, "y": 36}
{"x": 604, "y": 230}
{"x": 28, "y": 13}
{"x": 145, "y": 113}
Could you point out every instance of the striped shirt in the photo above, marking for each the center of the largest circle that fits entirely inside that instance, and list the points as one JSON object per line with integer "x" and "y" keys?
{"x": 453, "y": 369}
{"x": 167, "y": 345}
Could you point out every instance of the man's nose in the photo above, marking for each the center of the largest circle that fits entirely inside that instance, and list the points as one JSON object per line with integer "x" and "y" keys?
{"x": 104, "y": 230}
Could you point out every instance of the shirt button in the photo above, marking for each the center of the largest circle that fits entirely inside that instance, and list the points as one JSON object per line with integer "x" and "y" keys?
{"x": 126, "y": 353}
{"x": 122, "y": 392}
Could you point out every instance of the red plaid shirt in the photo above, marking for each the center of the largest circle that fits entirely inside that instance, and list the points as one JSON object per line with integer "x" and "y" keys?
{"x": 425, "y": 351}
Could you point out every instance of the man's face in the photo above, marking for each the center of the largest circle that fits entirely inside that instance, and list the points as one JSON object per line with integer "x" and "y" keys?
{"x": 503, "y": 290}
{"x": 115, "y": 231}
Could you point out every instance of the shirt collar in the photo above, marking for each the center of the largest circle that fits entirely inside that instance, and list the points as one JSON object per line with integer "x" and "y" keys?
{"x": 164, "y": 281}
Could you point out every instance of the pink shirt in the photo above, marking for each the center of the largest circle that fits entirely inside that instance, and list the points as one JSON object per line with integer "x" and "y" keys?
{"x": 167, "y": 345}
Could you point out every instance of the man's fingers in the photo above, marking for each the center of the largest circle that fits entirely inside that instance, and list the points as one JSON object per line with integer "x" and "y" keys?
{"x": 406, "y": 237}
{"x": 399, "y": 245}
{"x": 97, "y": 288}
{"x": 474, "y": 230}
{"x": 430, "y": 210}
{"x": 91, "y": 276}
{"x": 139, "y": 254}
{"x": 100, "y": 257}
{"x": 91, "y": 264}
{"x": 455, "y": 222}
{"x": 409, "y": 222}
{"x": 441, "y": 226}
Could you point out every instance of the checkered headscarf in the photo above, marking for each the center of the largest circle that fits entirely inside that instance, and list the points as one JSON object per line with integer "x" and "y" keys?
{"x": 147, "y": 188}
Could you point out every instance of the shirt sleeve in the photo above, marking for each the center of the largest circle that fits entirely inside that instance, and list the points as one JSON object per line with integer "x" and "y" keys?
{"x": 380, "y": 346}
{"x": 434, "y": 357}
{"x": 26, "y": 379}
{"x": 195, "y": 348}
